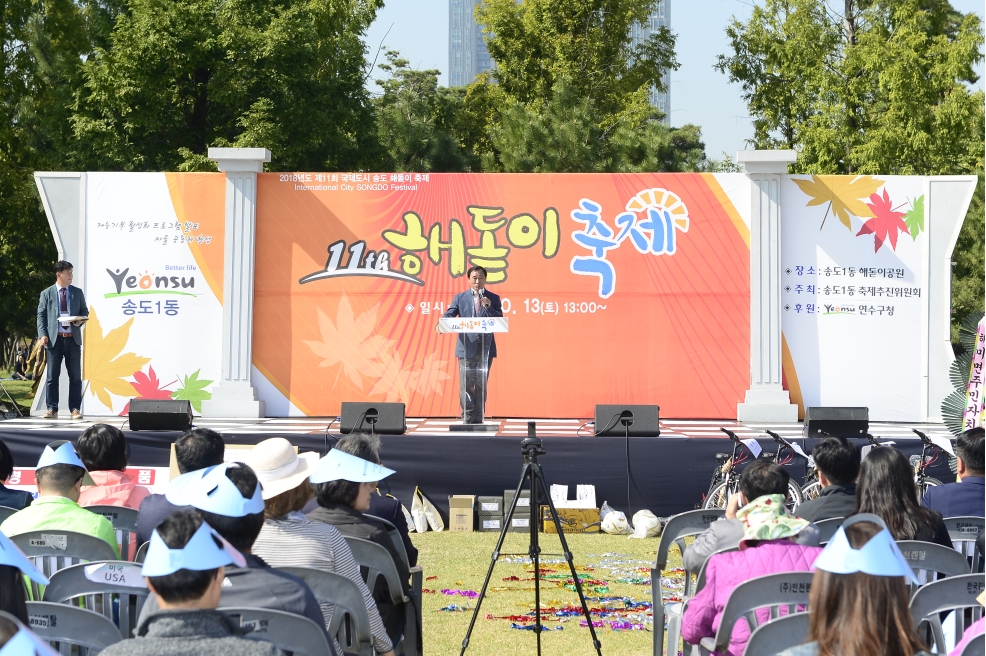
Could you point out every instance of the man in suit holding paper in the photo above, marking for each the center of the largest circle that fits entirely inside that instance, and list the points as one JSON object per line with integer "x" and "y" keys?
{"x": 62, "y": 339}
{"x": 474, "y": 302}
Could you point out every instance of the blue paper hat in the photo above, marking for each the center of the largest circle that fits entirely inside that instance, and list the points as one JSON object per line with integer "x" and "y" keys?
{"x": 12, "y": 556}
{"x": 340, "y": 466}
{"x": 878, "y": 557}
{"x": 64, "y": 454}
{"x": 27, "y": 643}
{"x": 206, "y": 549}
{"x": 211, "y": 490}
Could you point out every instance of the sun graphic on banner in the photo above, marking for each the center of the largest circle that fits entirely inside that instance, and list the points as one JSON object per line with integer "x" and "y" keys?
{"x": 664, "y": 213}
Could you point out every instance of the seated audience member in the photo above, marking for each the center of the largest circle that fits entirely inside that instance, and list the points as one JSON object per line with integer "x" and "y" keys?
{"x": 14, "y": 566}
{"x": 967, "y": 498}
{"x": 197, "y": 449}
{"x": 859, "y": 597}
{"x": 20, "y": 368}
{"x": 16, "y": 499}
{"x": 60, "y": 475}
{"x": 837, "y": 461}
{"x": 767, "y": 547}
{"x": 289, "y": 539}
{"x": 759, "y": 479}
{"x": 103, "y": 450}
{"x": 228, "y": 497}
{"x": 342, "y": 503}
{"x": 885, "y": 487}
{"x": 384, "y": 506}
{"x": 185, "y": 569}
{"x": 972, "y": 631}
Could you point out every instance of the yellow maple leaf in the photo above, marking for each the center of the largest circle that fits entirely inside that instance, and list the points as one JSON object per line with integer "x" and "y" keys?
{"x": 843, "y": 193}
{"x": 105, "y": 367}
{"x": 349, "y": 342}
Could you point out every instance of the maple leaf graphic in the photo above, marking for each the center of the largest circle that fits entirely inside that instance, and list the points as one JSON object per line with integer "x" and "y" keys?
{"x": 349, "y": 342}
{"x": 193, "y": 390}
{"x": 885, "y": 222}
{"x": 105, "y": 366}
{"x": 843, "y": 193}
{"x": 148, "y": 386}
{"x": 398, "y": 383}
{"x": 915, "y": 218}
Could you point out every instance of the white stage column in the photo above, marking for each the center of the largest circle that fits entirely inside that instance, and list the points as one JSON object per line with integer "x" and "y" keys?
{"x": 766, "y": 400}
{"x": 235, "y": 396}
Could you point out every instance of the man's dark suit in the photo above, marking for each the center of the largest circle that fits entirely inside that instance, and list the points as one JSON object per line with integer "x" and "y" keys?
{"x": 964, "y": 499}
{"x": 468, "y": 350}
{"x": 61, "y": 347}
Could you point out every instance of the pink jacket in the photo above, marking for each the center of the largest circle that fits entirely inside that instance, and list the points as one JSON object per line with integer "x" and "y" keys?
{"x": 724, "y": 572}
{"x": 113, "y": 488}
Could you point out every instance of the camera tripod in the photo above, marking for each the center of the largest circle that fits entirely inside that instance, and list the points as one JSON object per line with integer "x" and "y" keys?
{"x": 532, "y": 447}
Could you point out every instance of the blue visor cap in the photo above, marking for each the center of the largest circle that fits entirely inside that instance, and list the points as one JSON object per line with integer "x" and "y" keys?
{"x": 211, "y": 490}
{"x": 27, "y": 643}
{"x": 11, "y": 556}
{"x": 63, "y": 455}
{"x": 879, "y": 557}
{"x": 205, "y": 550}
{"x": 340, "y": 466}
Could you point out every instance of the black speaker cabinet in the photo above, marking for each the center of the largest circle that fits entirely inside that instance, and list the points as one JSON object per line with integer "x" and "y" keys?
{"x": 643, "y": 420}
{"x": 838, "y": 421}
{"x": 150, "y": 414}
{"x": 380, "y": 418}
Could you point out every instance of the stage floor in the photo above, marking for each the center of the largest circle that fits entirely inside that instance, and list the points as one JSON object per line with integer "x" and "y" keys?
{"x": 509, "y": 427}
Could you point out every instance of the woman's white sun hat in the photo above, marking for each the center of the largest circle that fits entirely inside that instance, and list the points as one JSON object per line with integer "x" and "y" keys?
{"x": 278, "y": 467}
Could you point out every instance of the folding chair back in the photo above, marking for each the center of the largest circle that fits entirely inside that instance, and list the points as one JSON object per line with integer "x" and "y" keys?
{"x": 931, "y": 561}
{"x": 955, "y": 592}
{"x": 775, "y": 636}
{"x": 395, "y": 537}
{"x": 963, "y": 532}
{"x": 380, "y": 565}
{"x": 975, "y": 647}
{"x": 775, "y": 591}
{"x": 827, "y": 529}
{"x": 142, "y": 553}
{"x": 700, "y": 581}
{"x": 124, "y": 522}
{"x": 65, "y": 626}
{"x": 675, "y": 531}
{"x": 52, "y": 549}
{"x": 417, "y": 584}
{"x": 114, "y": 588}
{"x": 5, "y": 512}
{"x": 350, "y": 624}
{"x": 290, "y": 632}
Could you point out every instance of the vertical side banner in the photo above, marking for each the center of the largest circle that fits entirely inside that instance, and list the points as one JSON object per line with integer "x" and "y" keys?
{"x": 154, "y": 278}
{"x": 618, "y": 288}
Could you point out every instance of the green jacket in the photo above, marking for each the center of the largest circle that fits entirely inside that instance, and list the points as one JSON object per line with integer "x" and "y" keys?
{"x": 60, "y": 514}
{"x": 48, "y": 312}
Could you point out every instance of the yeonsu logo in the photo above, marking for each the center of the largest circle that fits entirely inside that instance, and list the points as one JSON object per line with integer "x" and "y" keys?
{"x": 148, "y": 282}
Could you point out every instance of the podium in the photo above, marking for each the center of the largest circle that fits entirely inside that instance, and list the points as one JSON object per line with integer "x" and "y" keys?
{"x": 474, "y": 371}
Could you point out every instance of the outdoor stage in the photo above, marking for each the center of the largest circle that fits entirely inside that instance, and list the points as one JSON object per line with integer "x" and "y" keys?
{"x": 667, "y": 474}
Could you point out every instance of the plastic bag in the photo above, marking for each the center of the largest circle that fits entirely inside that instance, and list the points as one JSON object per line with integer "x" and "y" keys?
{"x": 410, "y": 520}
{"x": 645, "y": 524}
{"x": 613, "y": 521}
{"x": 428, "y": 510}
{"x": 418, "y": 512}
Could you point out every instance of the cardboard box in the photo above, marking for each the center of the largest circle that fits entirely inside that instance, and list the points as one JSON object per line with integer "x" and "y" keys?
{"x": 573, "y": 520}
{"x": 461, "y": 513}
{"x": 523, "y": 504}
{"x": 490, "y": 524}
{"x": 489, "y": 505}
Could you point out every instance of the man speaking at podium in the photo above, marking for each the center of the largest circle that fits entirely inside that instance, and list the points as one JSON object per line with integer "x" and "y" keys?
{"x": 474, "y": 302}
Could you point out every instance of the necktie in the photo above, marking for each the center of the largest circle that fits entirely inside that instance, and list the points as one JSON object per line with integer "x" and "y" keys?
{"x": 64, "y": 307}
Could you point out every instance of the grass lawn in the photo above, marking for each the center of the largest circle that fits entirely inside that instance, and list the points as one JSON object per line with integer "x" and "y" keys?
{"x": 19, "y": 389}
{"x": 460, "y": 561}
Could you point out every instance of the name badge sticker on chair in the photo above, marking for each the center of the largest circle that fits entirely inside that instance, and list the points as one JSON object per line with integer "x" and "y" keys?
{"x": 117, "y": 574}
{"x": 52, "y": 541}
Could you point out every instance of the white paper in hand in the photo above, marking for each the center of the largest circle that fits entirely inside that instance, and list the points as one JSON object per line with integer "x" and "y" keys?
{"x": 801, "y": 452}
{"x": 753, "y": 446}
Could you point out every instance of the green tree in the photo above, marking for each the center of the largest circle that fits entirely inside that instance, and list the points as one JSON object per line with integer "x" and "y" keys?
{"x": 968, "y": 292}
{"x": 416, "y": 117}
{"x": 178, "y": 76}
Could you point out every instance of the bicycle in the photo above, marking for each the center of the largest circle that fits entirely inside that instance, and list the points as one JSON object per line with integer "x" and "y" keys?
{"x": 921, "y": 464}
{"x": 794, "y": 495}
{"x": 723, "y": 483}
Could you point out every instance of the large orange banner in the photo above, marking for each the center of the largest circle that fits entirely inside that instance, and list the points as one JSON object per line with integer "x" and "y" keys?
{"x": 619, "y": 288}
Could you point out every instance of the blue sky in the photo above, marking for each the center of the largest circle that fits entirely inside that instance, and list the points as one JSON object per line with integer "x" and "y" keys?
{"x": 699, "y": 93}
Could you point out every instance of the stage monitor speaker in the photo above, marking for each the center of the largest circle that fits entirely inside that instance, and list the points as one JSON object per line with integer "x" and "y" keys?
{"x": 151, "y": 414}
{"x": 632, "y": 420}
{"x": 380, "y": 418}
{"x": 838, "y": 421}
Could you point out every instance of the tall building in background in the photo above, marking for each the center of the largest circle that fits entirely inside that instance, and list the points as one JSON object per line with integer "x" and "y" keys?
{"x": 661, "y": 17}
{"x": 468, "y": 57}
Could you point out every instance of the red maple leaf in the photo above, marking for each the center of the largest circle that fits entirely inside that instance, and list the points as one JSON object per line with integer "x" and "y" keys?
{"x": 886, "y": 223}
{"x": 147, "y": 386}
